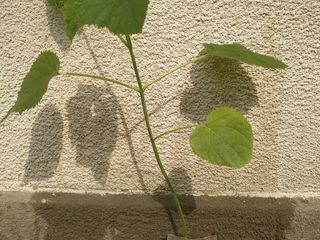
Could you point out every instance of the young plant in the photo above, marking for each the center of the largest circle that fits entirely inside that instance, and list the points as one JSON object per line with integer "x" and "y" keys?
{"x": 224, "y": 139}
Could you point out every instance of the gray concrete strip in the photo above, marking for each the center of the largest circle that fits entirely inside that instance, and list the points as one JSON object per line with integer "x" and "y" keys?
{"x": 65, "y": 216}
{"x": 173, "y": 237}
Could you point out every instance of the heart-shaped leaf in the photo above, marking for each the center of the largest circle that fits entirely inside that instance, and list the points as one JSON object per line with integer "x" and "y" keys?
{"x": 35, "y": 84}
{"x": 225, "y": 139}
{"x": 119, "y": 16}
{"x": 241, "y": 53}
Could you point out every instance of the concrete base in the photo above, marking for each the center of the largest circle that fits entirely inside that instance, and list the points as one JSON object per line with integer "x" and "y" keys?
{"x": 47, "y": 216}
{"x": 174, "y": 237}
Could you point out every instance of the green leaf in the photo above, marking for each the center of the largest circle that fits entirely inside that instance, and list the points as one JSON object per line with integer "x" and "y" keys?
{"x": 71, "y": 16}
{"x": 70, "y": 13}
{"x": 35, "y": 84}
{"x": 241, "y": 53}
{"x": 225, "y": 139}
{"x": 119, "y": 16}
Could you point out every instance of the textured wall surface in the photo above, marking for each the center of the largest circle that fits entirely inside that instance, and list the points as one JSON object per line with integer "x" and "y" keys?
{"x": 88, "y": 136}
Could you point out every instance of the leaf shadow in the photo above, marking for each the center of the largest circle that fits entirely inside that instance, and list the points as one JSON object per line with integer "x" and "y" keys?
{"x": 180, "y": 180}
{"x": 45, "y": 146}
{"x": 123, "y": 120}
{"x": 217, "y": 82}
{"x": 93, "y": 128}
{"x": 57, "y": 27}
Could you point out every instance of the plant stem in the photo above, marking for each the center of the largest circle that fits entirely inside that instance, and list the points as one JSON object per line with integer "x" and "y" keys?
{"x": 154, "y": 146}
{"x": 101, "y": 78}
{"x": 174, "y": 130}
{"x": 172, "y": 70}
{"x": 123, "y": 40}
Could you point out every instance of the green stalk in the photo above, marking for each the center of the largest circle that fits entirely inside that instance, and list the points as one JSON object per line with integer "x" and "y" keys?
{"x": 123, "y": 40}
{"x": 172, "y": 70}
{"x": 174, "y": 130}
{"x": 101, "y": 78}
{"x": 154, "y": 146}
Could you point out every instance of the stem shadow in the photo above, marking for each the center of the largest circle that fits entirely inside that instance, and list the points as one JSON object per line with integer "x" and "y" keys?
{"x": 161, "y": 194}
{"x": 127, "y": 131}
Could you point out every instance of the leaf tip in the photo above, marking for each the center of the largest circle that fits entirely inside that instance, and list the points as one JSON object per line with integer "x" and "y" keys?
{"x": 240, "y": 53}
{"x": 283, "y": 65}
{"x": 5, "y": 117}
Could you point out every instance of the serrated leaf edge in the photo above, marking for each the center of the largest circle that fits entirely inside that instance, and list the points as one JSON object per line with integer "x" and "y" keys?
{"x": 247, "y": 49}
{"x": 53, "y": 75}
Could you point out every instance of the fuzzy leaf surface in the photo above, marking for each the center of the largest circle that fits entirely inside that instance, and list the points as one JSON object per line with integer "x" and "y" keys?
{"x": 35, "y": 83}
{"x": 225, "y": 139}
{"x": 241, "y": 53}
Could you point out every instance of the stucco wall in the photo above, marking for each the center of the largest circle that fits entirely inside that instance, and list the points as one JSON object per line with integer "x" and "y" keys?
{"x": 88, "y": 136}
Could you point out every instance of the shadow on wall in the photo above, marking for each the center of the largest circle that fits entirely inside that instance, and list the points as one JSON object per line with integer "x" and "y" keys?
{"x": 122, "y": 116}
{"x": 3, "y": 237}
{"x": 45, "y": 146}
{"x": 180, "y": 180}
{"x": 93, "y": 128}
{"x": 57, "y": 27}
{"x": 217, "y": 82}
{"x": 229, "y": 217}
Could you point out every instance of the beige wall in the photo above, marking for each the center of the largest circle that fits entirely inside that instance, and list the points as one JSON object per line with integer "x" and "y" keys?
{"x": 87, "y": 136}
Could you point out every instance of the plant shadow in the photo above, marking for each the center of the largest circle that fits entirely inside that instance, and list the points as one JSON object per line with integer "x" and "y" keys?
{"x": 46, "y": 145}
{"x": 217, "y": 82}
{"x": 57, "y": 27}
{"x": 93, "y": 128}
{"x": 180, "y": 180}
{"x": 122, "y": 117}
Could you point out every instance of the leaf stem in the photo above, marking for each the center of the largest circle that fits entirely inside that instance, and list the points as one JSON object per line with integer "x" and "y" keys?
{"x": 179, "y": 129}
{"x": 154, "y": 146}
{"x": 101, "y": 78}
{"x": 174, "y": 69}
{"x": 123, "y": 40}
